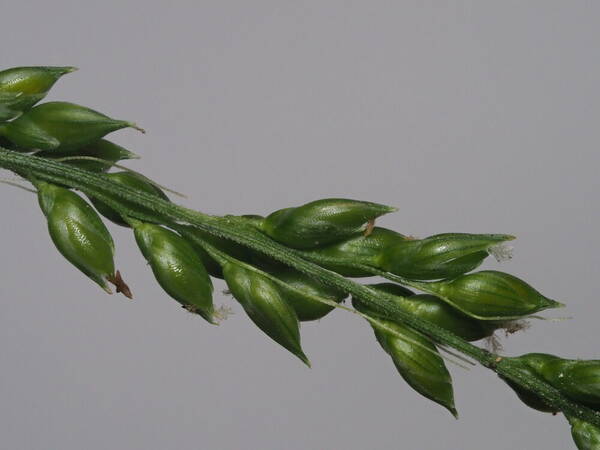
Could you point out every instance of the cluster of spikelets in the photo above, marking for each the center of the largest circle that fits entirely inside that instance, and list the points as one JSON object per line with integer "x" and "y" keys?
{"x": 337, "y": 234}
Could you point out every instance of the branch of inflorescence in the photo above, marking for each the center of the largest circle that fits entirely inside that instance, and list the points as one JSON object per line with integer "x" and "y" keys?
{"x": 231, "y": 227}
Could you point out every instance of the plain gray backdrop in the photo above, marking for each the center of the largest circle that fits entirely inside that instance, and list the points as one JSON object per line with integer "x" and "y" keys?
{"x": 468, "y": 116}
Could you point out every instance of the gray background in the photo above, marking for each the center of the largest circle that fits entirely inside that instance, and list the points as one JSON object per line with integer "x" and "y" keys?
{"x": 469, "y": 116}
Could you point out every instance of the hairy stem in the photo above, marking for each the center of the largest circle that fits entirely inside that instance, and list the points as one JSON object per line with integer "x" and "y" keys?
{"x": 237, "y": 230}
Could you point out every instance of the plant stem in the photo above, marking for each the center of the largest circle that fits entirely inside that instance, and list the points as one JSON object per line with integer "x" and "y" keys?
{"x": 235, "y": 229}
